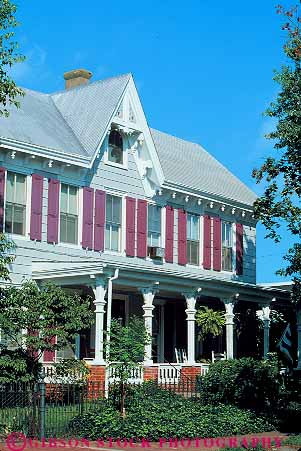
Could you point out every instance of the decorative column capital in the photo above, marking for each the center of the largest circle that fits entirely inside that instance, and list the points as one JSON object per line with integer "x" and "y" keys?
{"x": 191, "y": 296}
{"x": 264, "y": 314}
{"x": 229, "y": 307}
{"x": 148, "y": 294}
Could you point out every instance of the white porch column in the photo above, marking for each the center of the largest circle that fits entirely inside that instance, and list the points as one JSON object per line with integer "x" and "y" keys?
{"x": 264, "y": 315}
{"x": 299, "y": 339}
{"x": 229, "y": 317}
{"x": 190, "y": 312}
{"x": 99, "y": 301}
{"x": 148, "y": 307}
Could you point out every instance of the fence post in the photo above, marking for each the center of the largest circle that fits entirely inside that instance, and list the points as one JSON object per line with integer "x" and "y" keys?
{"x": 42, "y": 404}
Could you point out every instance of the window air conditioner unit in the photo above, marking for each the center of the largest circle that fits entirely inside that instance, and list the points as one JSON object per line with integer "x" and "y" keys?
{"x": 156, "y": 252}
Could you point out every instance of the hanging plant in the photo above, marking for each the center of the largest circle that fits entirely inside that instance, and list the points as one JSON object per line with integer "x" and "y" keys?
{"x": 210, "y": 321}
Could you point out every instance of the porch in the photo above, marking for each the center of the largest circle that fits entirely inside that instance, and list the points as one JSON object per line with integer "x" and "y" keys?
{"x": 168, "y": 304}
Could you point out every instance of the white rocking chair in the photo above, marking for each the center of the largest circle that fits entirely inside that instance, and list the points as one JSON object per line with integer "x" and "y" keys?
{"x": 216, "y": 356}
{"x": 181, "y": 356}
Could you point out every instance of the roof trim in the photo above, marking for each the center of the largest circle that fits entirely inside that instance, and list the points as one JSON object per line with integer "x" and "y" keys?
{"x": 206, "y": 195}
{"x": 45, "y": 152}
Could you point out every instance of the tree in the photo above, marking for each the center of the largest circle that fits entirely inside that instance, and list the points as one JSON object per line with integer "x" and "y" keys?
{"x": 35, "y": 320}
{"x": 126, "y": 349}
{"x": 6, "y": 256}
{"x": 280, "y": 206}
{"x": 9, "y": 92}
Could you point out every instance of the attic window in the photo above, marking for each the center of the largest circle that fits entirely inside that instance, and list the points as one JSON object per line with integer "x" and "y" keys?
{"x": 132, "y": 117}
{"x": 115, "y": 150}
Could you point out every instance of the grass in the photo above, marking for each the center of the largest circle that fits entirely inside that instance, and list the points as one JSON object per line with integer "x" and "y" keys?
{"x": 25, "y": 419}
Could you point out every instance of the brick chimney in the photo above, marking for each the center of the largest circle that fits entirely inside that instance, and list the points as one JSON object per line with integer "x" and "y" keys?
{"x": 77, "y": 77}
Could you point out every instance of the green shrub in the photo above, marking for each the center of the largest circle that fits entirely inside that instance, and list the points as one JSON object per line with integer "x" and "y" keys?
{"x": 153, "y": 413}
{"x": 246, "y": 383}
{"x": 293, "y": 440}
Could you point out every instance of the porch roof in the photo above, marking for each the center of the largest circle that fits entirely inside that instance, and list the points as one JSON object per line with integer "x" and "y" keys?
{"x": 171, "y": 280}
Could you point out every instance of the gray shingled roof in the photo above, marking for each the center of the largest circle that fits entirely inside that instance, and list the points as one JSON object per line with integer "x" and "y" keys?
{"x": 38, "y": 122}
{"x": 70, "y": 121}
{"x": 188, "y": 164}
{"x": 74, "y": 121}
{"x": 88, "y": 109}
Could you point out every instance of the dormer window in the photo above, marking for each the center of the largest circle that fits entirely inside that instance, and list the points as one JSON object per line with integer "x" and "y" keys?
{"x": 115, "y": 149}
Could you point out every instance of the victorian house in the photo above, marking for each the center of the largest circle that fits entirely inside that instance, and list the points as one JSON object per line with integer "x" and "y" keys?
{"x": 144, "y": 222}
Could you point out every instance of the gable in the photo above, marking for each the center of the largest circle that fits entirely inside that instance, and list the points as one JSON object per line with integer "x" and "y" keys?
{"x": 88, "y": 109}
{"x": 141, "y": 156}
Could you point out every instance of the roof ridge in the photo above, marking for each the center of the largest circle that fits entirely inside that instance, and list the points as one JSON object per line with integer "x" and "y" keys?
{"x": 86, "y": 85}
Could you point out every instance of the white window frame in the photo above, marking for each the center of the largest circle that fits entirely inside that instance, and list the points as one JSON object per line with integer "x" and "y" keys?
{"x": 28, "y": 184}
{"x": 154, "y": 204}
{"x": 124, "y": 165}
{"x": 228, "y": 271}
{"x": 200, "y": 241}
{"x": 79, "y": 216}
{"x": 122, "y": 232}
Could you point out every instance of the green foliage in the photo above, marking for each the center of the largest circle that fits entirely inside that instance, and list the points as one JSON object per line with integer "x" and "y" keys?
{"x": 44, "y": 314}
{"x": 127, "y": 342}
{"x": 153, "y": 413}
{"x": 126, "y": 349}
{"x": 126, "y": 346}
{"x": 75, "y": 370}
{"x": 279, "y": 206}
{"x": 9, "y": 92}
{"x": 245, "y": 382}
{"x": 210, "y": 321}
{"x": 293, "y": 440}
{"x": 7, "y": 256}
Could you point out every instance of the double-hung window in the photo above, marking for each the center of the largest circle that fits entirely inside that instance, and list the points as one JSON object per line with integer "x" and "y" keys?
{"x": 193, "y": 239}
{"x": 113, "y": 223}
{"x": 69, "y": 214}
{"x": 154, "y": 226}
{"x": 15, "y": 204}
{"x": 227, "y": 246}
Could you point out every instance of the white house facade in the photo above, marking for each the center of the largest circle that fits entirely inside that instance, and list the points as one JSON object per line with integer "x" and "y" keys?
{"x": 144, "y": 222}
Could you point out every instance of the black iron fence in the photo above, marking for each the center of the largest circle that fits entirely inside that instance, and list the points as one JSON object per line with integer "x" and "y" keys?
{"x": 45, "y": 409}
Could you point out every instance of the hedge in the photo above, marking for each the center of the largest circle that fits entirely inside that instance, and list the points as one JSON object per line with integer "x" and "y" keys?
{"x": 154, "y": 413}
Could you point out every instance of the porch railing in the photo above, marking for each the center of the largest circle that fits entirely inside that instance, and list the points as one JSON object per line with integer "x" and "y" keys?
{"x": 113, "y": 374}
{"x": 169, "y": 374}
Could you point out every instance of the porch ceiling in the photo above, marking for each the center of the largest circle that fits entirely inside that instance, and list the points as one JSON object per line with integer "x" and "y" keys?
{"x": 84, "y": 273}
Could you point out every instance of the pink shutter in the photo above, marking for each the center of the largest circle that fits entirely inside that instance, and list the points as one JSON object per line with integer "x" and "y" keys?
{"x": 169, "y": 234}
{"x": 182, "y": 237}
{"x": 239, "y": 249}
{"x": 207, "y": 243}
{"x": 37, "y": 182}
{"x": 2, "y": 191}
{"x": 53, "y": 211}
{"x": 141, "y": 228}
{"x": 99, "y": 220}
{"x": 217, "y": 244}
{"x": 88, "y": 204}
{"x": 49, "y": 356}
{"x": 130, "y": 226}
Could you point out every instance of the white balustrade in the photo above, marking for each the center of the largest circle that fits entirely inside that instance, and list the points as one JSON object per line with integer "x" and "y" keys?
{"x": 113, "y": 374}
{"x": 169, "y": 374}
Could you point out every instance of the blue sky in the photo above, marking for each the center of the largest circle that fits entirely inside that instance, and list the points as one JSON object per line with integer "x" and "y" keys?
{"x": 203, "y": 70}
